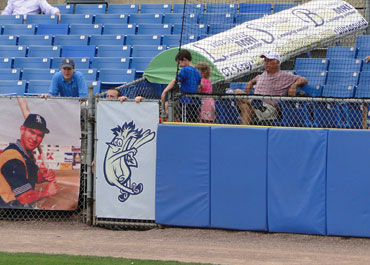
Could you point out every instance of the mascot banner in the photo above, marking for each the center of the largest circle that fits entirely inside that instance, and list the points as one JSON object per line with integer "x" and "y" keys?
{"x": 40, "y": 153}
{"x": 125, "y": 159}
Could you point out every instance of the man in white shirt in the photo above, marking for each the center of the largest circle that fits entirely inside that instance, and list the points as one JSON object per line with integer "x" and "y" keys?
{"x": 25, "y": 7}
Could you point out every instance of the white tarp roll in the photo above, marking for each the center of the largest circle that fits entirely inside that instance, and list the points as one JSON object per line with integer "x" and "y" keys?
{"x": 126, "y": 159}
{"x": 236, "y": 52}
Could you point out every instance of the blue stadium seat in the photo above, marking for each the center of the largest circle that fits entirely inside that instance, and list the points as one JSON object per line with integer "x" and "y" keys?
{"x": 116, "y": 76}
{"x": 19, "y": 29}
{"x": 8, "y": 40}
{"x": 37, "y": 87}
{"x": 334, "y": 52}
{"x": 190, "y": 29}
{"x": 189, "y": 8}
{"x": 146, "y": 50}
{"x": 221, "y": 8}
{"x": 145, "y": 18}
{"x": 353, "y": 65}
{"x": 244, "y": 17}
{"x": 11, "y": 19}
{"x": 143, "y": 40}
{"x": 40, "y": 74}
{"x": 337, "y": 114}
{"x": 123, "y": 9}
{"x": 311, "y": 64}
{"x": 12, "y": 87}
{"x": 176, "y": 18}
{"x": 119, "y": 29}
{"x": 90, "y": 9}
{"x": 76, "y": 19}
{"x": 363, "y": 52}
{"x": 313, "y": 90}
{"x": 78, "y": 51}
{"x": 347, "y": 78}
{"x": 155, "y": 8}
{"x": 110, "y": 62}
{"x": 80, "y": 62}
{"x": 85, "y": 29}
{"x": 156, "y": 29}
{"x": 363, "y": 41}
{"x": 97, "y": 40}
{"x": 111, "y": 19}
{"x": 71, "y": 40}
{"x": 10, "y": 74}
{"x": 32, "y": 62}
{"x": 65, "y": 9}
{"x": 174, "y": 40}
{"x": 363, "y": 90}
{"x": 338, "y": 91}
{"x": 364, "y": 78}
{"x": 113, "y": 51}
{"x": 43, "y": 51}
{"x": 41, "y": 19}
{"x": 46, "y": 29}
{"x": 140, "y": 63}
{"x": 280, "y": 7}
{"x": 216, "y": 18}
{"x": 6, "y": 63}
{"x": 96, "y": 86}
{"x": 238, "y": 85}
{"x": 264, "y": 8}
{"x": 313, "y": 77}
{"x": 89, "y": 74}
{"x": 28, "y": 40}
{"x": 12, "y": 51}
{"x": 218, "y": 28}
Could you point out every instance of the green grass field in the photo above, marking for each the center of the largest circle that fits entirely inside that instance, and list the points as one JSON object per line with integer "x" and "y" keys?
{"x": 48, "y": 259}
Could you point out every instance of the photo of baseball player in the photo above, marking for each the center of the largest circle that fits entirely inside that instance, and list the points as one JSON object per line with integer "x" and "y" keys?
{"x": 40, "y": 153}
{"x": 19, "y": 173}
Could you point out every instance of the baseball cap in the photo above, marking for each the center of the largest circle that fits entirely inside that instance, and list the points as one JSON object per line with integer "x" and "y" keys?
{"x": 271, "y": 55}
{"x": 68, "y": 62}
{"x": 36, "y": 121}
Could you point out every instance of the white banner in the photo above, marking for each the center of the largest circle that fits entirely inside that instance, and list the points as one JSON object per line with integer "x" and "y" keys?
{"x": 237, "y": 51}
{"x": 126, "y": 159}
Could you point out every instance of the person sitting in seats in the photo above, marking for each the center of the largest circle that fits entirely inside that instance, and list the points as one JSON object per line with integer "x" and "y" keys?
{"x": 271, "y": 82}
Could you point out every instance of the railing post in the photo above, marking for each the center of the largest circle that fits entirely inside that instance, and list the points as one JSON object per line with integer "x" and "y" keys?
{"x": 89, "y": 155}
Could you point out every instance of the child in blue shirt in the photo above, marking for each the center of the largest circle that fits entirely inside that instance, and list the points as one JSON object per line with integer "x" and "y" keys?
{"x": 189, "y": 78}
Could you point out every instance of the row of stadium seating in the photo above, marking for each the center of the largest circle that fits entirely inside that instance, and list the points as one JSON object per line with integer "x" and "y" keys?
{"x": 123, "y": 19}
{"x": 146, "y": 39}
{"x": 81, "y": 51}
{"x": 266, "y": 8}
{"x": 109, "y": 29}
{"x": 105, "y": 75}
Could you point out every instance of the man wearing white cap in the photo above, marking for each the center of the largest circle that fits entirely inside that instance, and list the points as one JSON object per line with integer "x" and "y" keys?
{"x": 271, "y": 82}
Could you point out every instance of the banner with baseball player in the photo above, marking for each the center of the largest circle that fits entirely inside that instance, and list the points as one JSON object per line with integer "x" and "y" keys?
{"x": 40, "y": 153}
{"x": 126, "y": 159}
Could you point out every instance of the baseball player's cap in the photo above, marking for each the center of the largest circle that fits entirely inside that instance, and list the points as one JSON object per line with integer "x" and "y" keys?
{"x": 271, "y": 55}
{"x": 68, "y": 63}
{"x": 36, "y": 121}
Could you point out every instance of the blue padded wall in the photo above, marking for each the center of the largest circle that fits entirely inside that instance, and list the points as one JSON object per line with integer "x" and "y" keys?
{"x": 182, "y": 175}
{"x": 238, "y": 178}
{"x": 297, "y": 180}
{"x": 348, "y": 181}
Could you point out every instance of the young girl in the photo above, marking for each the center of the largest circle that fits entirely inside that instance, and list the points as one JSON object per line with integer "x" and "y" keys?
{"x": 207, "y": 110}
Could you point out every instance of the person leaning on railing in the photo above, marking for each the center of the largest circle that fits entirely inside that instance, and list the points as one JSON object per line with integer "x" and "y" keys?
{"x": 271, "y": 82}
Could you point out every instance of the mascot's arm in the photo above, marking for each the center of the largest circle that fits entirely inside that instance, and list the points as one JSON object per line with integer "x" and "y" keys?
{"x": 32, "y": 195}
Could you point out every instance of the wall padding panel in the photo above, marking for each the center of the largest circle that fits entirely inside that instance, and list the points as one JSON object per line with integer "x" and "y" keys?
{"x": 182, "y": 175}
{"x": 238, "y": 178}
{"x": 297, "y": 180}
{"x": 348, "y": 195}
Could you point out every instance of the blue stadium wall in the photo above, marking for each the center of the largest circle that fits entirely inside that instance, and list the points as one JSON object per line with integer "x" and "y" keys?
{"x": 310, "y": 181}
